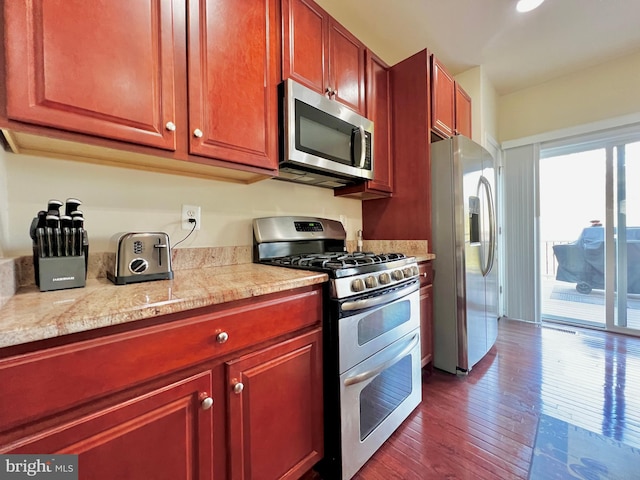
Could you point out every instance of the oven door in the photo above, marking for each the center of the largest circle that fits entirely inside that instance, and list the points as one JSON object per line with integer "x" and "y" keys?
{"x": 368, "y": 324}
{"x": 376, "y": 396}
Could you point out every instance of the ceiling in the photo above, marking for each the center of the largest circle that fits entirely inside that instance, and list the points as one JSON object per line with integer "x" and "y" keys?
{"x": 517, "y": 50}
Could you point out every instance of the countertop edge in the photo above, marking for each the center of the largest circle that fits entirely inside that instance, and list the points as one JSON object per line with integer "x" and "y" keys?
{"x": 31, "y": 315}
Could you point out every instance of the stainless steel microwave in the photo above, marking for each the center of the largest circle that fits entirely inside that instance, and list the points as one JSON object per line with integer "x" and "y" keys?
{"x": 323, "y": 143}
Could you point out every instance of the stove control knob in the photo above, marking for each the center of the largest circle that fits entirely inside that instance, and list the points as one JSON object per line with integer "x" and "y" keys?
{"x": 397, "y": 275}
{"x": 357, "y": 285}
{"x": 384, "y": 278}
{"x": 371, "y": 281}
{"x": 415, "y": 270}
{"x": 408, "y": 272}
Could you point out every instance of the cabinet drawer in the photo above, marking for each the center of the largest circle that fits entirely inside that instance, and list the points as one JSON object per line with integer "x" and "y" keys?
{"x": 426, "y": 273}
{"x": 49, "y": 381}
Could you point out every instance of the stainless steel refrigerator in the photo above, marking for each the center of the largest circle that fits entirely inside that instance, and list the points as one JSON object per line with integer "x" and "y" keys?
{"x": 465, "y": 287}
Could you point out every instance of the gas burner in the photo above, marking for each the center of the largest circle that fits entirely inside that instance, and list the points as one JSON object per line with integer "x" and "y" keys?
{"x": 278, "y": 241}
{"x": 336, "y": 260}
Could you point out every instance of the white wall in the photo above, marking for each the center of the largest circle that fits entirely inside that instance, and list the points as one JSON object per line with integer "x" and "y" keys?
{"x": 607, "y": 91}
{"x": 484, "y": 120}
{"x": 118, "y": 200}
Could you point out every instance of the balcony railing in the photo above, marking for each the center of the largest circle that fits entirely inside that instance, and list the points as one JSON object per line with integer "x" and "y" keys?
{"x": 549, "y": 262}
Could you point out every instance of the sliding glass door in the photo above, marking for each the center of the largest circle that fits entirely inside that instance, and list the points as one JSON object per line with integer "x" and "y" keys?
{"x": 589, "y": 233}
{"x": 625, "y": 256}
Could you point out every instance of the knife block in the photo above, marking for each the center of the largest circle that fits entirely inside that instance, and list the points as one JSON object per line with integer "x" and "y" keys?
{"x": 59, "y": 273}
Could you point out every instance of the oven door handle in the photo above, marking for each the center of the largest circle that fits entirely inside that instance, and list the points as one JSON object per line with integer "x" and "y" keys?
{"x": 364, "y": 376}
{"x": 378, "y": 300}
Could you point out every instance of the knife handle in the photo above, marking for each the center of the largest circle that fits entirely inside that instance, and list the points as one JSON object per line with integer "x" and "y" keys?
{"x": 58, "y": 235}
{"x": 40, "y": 242}
{"x": 66, "y": 239}
{"x": 71, "y": 206}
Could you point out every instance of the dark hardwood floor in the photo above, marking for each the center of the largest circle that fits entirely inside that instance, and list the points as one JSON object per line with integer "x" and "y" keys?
{"x": 483, "y": 426}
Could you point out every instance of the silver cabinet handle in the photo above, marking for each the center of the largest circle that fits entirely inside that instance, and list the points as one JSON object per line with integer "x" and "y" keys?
{"x": 170, "y": 126}
{"x": 198, "y": 133}
{"x": 238, "y": 387}
{"x": 206, "y": 403}
{"x": 329, "y": 91}
{"x": 222, "y": 337}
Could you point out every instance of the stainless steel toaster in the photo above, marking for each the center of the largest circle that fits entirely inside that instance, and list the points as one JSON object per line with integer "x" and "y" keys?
{"x": 139, "y": 257}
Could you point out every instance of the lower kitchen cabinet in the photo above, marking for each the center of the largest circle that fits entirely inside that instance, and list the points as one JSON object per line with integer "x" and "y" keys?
{"x": 164, "y": 434}
{"x": 275, "y": 410}
{"x": 426, "y": 314}
{"x": 157, "y": 399}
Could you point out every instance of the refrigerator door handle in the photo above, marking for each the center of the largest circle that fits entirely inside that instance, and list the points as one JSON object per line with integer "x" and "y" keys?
{"x": 486, "y": 267}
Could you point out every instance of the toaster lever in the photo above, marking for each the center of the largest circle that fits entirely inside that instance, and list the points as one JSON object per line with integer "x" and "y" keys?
{"x": 160, "y": 245}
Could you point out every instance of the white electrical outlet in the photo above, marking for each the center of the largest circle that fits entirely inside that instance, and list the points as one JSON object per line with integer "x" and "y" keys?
{"x": 190, "y": 212}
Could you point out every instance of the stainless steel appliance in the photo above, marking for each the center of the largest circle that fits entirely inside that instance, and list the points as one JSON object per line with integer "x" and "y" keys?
{"x": 463, "y": 213}
{"x": 324, "y": 143}
{"x": 139, "y": 257}
{"x": 371, "y": 334}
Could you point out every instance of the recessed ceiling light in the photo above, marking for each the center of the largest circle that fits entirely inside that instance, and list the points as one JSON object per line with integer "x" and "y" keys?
{"x": 528, "y": 5}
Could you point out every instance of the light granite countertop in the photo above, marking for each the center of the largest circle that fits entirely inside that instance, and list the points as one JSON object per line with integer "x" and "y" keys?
{"x": 31, "y": 315}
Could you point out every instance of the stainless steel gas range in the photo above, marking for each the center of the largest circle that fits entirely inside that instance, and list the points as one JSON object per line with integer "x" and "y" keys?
{"x": 371, "y": 339}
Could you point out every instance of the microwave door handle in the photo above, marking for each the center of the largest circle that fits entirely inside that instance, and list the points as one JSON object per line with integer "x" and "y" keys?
{"x": 363, "y": 146}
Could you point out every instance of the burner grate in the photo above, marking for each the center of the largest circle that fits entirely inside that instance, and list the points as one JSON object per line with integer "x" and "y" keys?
{"x": 336, "y": 260}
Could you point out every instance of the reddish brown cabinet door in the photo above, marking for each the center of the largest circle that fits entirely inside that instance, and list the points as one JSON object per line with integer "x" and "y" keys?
{"x": 233, "y": 79}
{"x": 346, "y": 67}
{"x": 166, "y": 434}
{"x": 442, "y": 100}
{"x": 304, "y": 31}
{"x": 99, "y": 68}
{"x": 379, "y": 111}
{"x": 426, "y": 314}
{"x": 463, "y": 112}
{"x": 275, "y": 410}
{"x": 321, "y": 54}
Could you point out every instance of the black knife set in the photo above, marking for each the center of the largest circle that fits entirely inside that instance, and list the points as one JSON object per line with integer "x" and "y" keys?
{"x": 60, "y": 246}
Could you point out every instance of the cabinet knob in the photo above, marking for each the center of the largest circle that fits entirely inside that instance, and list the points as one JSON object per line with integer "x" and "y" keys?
{"x": 222, "y": 337}
{"x": 198, "y": 133}
{"x": 170, "y": 126}
{"x": 238, "y": 387}
{"x": 331, "y": 92}
{"x": 206, "y": 403}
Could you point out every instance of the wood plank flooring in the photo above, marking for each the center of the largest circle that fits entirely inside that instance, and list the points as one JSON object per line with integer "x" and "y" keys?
{"x": 483, "y": 426}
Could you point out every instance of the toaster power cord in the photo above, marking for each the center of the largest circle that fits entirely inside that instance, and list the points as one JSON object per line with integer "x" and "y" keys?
{"x": 195, "y": 223}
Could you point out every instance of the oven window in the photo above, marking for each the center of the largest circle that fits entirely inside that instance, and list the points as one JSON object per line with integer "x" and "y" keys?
{"x": 383, "y": 395}
{"x": 383, "y": 320}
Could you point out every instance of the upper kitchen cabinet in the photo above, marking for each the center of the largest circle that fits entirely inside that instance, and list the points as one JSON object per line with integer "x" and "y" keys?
{"x": 321, "y": 54}
{"x": 407, "y": 214}
{"x": 450, "y": 104}
{"x": 442, "y": 99}
{"x": 105, "y": 69}
{"x": 156, "y": 80}
{"x": 379, "y": 111}
{"x": 233, "y": 76}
